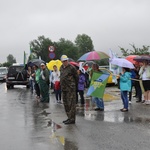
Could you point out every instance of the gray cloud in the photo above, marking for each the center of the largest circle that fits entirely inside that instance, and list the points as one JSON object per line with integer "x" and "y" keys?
{"x": 110, "y": 23}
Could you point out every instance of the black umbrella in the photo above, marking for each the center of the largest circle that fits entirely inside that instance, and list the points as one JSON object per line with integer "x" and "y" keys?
{"x": 36, "y": 62}
{"x": 142, "y": 58}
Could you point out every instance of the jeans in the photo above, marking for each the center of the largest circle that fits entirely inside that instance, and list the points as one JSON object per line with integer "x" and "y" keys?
{"x": 124, "y": 97}
{"x": 31, "y": 82}
{"x": 58, "y": 94}
{"x": 99, "y": 102}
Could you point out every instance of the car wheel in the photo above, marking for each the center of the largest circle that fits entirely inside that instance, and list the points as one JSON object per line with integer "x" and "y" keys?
{"x": 12, "y": 86}
{"x": 27, "y": 86}
{"x": 8, "y": 86}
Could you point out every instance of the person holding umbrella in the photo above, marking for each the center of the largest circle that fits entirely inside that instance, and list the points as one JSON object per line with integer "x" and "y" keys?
{"x": 125, "y": 87}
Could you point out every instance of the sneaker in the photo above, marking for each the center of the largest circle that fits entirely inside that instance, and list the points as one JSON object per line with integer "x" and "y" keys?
{"x": 129, "y": 102}
{"x": 124, "y": 110}
{"x": 99, "y": 109}
{"x": 147, "y": 102}
{"x": 143, "y": 101}
{"x": 138, "y": 101}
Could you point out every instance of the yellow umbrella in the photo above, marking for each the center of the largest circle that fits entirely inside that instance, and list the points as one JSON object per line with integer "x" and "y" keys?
{"x": 57, "y": 62}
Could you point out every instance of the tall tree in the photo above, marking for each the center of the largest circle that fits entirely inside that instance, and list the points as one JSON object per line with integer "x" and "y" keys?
{"x": 135, "y": 51}
{"x": 66, "y": 47}
{"x": 11, "y": 59}
{"x": 40, "y": 47}
{"x": 84, "y": 44}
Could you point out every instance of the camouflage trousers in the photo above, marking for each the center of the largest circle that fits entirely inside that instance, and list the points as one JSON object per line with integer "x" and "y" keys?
{"x": 69, "y": 100}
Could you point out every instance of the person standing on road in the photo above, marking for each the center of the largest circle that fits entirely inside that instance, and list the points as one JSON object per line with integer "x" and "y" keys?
{"x": 125, "y": 87}
{"x": 55, "y": 79}
{"x": 36, "y": 76}
{"x": 81, "y": 86}
{"x": 68, "y": 82}
{"x": 44, "y": 83}
{"x": 133, "y": 75}
{"x": 98, "y": 101}
{"x": 145, "y": 76}
{"x": 30, "y": 71}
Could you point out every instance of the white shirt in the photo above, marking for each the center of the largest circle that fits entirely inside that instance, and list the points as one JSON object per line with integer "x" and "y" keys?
{"x": 55, "y": 76}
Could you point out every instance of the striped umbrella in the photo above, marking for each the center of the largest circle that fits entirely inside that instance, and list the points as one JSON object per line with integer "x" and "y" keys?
{"x": 93, "y": 55}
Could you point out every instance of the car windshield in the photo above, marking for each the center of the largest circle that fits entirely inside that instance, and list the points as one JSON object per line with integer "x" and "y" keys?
{"x": 3, "y": 71}
{"x": 16, "y": 69}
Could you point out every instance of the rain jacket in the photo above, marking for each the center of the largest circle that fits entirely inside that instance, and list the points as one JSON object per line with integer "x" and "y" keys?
{"x": 125, "y": 82}
{"x": 68, "y": 78}
{"x": 37, "y": 75}
{"x": 81, "y": 82}
{"x": 147, "y": 71}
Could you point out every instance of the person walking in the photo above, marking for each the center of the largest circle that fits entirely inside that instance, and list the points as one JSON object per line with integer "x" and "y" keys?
{"x": 55, "y": 79}
{"x": 68, "y": 83}
{"x": 44, "y": 83}
{"x": 125, "y": 87}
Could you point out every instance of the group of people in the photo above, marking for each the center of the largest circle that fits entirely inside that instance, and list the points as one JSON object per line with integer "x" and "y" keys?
{"x": 39, "y": 81}
{"x": 138, "y": 78}
{"x": 70, "y": 81}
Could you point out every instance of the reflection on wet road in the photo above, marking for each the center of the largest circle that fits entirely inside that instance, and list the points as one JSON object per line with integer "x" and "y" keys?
{"x": 27, "y": 125}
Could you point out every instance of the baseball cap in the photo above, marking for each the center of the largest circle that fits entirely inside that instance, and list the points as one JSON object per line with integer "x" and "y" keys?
{"x": 42, "y": 64}
{"x": 64, "y": 57}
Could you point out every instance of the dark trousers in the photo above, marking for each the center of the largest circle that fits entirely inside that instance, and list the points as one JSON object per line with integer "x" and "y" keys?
{"x": 130, "y": 94}
{"x": 58, "y": 94}
{"x": 37, "y": 89}
{"x": 69, "y": 100}
{"x": 138, "y": 90}
{"x": 81, "y": 93}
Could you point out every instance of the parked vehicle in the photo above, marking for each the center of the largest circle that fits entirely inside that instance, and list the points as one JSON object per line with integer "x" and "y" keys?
{"x": 3, "y": 73}
{"x": 110, "y": 81}
{"x": 17, "y": 75}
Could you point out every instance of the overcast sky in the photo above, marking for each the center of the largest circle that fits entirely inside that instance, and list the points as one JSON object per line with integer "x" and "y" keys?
{"x": 109, "y": 23}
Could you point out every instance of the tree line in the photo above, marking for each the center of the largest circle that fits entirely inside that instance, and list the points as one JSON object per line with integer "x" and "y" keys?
{"x": 81, "y": 45}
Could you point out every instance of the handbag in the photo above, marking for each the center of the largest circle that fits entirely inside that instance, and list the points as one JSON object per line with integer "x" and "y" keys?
{"x": 57, "y": 85}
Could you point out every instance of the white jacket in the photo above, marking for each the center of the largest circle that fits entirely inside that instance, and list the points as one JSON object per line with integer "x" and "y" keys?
{"x": 55, "y": 76}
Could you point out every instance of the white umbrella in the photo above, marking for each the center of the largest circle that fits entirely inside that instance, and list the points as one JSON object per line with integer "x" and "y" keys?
{"x": 121, "y": 62}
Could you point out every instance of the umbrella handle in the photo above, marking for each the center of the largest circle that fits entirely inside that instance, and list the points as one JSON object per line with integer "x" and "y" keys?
{"x": 107, "y": 70}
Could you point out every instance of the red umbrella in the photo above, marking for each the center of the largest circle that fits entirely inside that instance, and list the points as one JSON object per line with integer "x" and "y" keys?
{"x": 131, "y": 59}
{"x": 74, "y": 63}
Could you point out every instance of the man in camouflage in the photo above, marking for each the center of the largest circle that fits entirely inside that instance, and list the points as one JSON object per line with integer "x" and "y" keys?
{"x": 68, "y": 82}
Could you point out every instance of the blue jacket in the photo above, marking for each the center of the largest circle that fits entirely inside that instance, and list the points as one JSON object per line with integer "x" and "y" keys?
{"x": 125, "y": 82}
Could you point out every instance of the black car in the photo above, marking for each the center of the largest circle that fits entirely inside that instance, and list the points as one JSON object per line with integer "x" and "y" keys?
{"x": 17, "y": 75}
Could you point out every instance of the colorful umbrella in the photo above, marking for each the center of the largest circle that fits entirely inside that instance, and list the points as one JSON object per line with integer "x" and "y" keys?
{"x": 93, "y": 55}
{"x": 131, "y": 59}
{"x": 50, "y": 65}
{"x": 121, "y": 62}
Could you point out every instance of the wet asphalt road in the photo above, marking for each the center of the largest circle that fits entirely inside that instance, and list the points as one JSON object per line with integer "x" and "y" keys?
{"x": 28, "y": 125}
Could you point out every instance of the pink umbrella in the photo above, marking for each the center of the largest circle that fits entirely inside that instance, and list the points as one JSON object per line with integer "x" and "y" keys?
{"x": 93, "y": 55}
